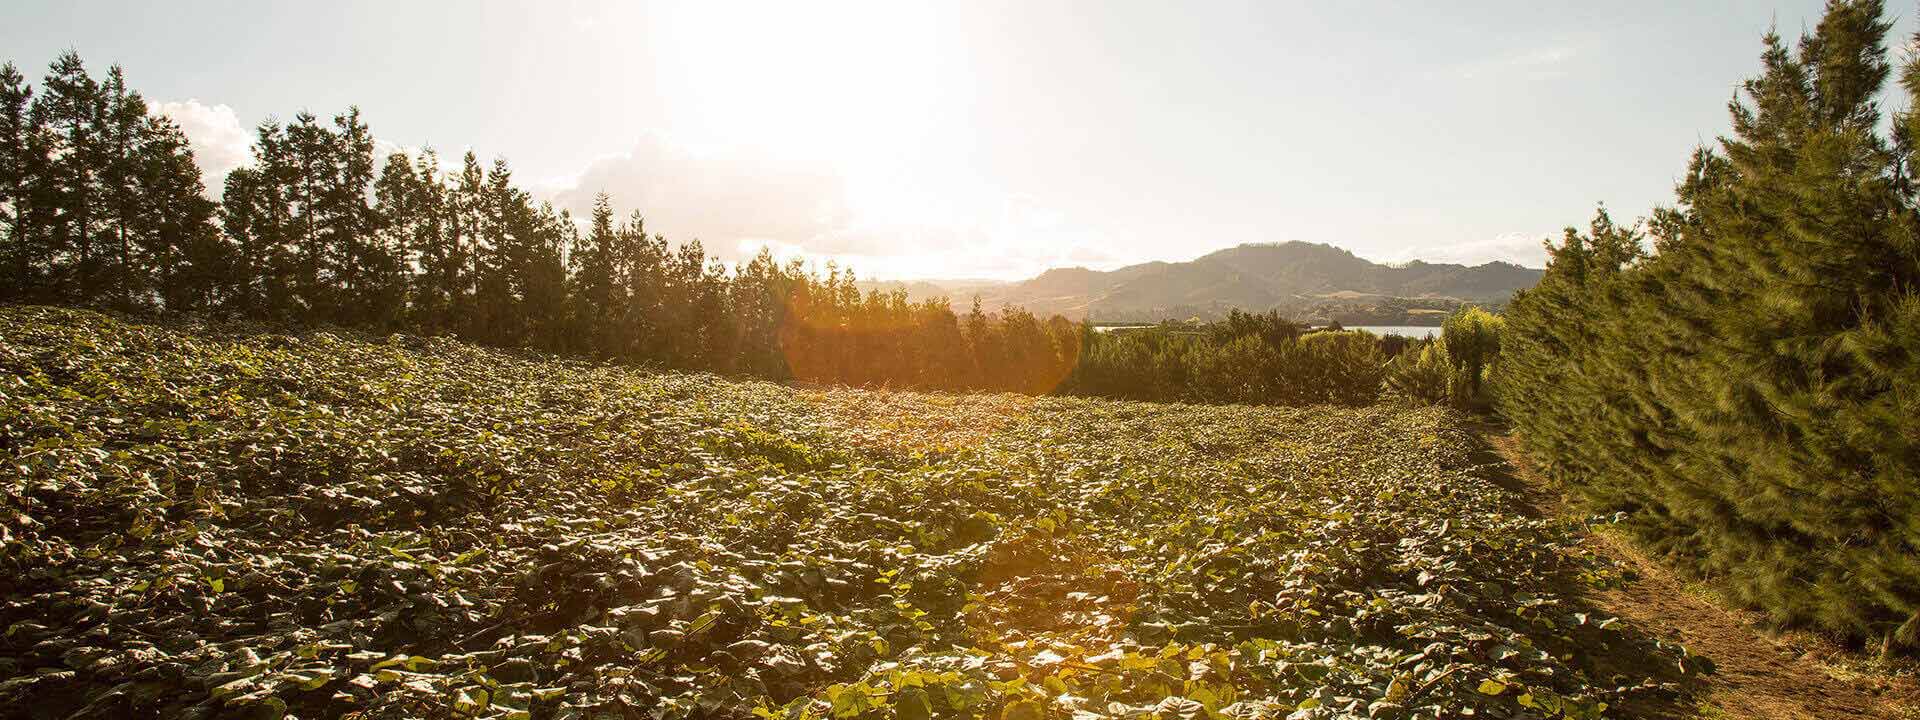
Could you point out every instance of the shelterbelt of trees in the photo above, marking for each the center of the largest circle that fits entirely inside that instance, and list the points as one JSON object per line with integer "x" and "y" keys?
{"x": 101, "y": 205}
{"x": 1266, "y": 359}
{"x": 1748, "y": 390}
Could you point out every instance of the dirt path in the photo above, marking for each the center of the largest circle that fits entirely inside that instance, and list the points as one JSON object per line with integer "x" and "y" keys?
{"x": 1759, "y": 676}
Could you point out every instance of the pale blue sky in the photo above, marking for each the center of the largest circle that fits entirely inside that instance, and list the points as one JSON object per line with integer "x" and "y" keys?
{"x": 988, "y": 138}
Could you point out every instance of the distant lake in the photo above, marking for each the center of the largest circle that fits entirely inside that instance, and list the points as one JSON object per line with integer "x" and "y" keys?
{"x": 1412, "y": 331}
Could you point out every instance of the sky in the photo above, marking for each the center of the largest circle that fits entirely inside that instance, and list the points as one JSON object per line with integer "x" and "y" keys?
{"x": 985, "y": 138}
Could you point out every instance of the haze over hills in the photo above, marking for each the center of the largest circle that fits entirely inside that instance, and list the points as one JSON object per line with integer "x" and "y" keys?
{"x": 1307, "y": 281}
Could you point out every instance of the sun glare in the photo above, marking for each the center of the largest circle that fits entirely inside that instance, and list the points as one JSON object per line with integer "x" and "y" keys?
{"x": 855, "y": 84}
{"x": 860, "y": 89}
{"x": 867, "y": 359}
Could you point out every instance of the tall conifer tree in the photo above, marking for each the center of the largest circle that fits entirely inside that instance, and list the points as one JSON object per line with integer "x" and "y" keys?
{"x": 1744, "y": 391}
{"x": 21, "y": 160}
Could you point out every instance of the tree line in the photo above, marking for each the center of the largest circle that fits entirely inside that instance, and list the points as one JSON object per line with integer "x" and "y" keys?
{"x": 103, "y": 205}
{"x": 1244, "y": 358}
{"x": 1740, "y": 373}
{"x": 100, "y": 202}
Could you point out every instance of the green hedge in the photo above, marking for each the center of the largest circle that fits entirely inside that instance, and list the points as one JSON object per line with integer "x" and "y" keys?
{"x": 1745, "y": 389}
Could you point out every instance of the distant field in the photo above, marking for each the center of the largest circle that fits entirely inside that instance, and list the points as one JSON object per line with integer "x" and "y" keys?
{"x": 214, "y": 520}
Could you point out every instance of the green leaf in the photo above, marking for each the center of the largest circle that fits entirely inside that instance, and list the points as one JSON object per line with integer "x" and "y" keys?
{"x": 1023, "y": 710}
{"x": 912, "y": 704}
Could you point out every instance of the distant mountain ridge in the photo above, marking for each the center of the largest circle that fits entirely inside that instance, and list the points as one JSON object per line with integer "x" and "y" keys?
{"x": 1307, "y": 281}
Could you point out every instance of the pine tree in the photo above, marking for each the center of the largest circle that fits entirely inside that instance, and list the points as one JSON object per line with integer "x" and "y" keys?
{"x": 464, "y": 206}
{"x": 760, "y": 288}
{"x": 67, "y": 113}
{"x": 356, "y": 261}
{"x": 682, "y": 327}
{"x": 1743, "y": 392}
{"x": 435, "y": 249}
{"x": 711, "y": 305}
{"x": 121, "y": 129}
{"x": 22, "y": 158}
{"x": 397, "y": 215}
{"x": 261, "y": 221}
{"x": 494, "y": 259}
{"x": 304, "y": 171}
{"x": 595, "y": 310}
{"x": 183, "y": 256}
{"x": 639, "y": 274}
{"x": 543, "y": 277}
{"x": 982, "y": 349}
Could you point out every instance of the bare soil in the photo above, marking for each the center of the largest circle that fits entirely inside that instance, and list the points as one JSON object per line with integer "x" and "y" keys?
{"x": 1760, "y": 675}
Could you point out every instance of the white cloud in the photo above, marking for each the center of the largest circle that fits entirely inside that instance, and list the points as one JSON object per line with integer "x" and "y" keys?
{"x": 1520, "y": 248}
{"x": 716, "y": 197}
{"x": 219, "y": 142}
{"x": 448, "y": 163}
{"x": 1531, "y": 63}
{"x": 737, "y": 201}
{"x": 929, "y": 253}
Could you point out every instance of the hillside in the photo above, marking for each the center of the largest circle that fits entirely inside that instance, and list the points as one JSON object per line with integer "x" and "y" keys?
{"x": 1308, "y": 281}
{"x": 224, "y": 520}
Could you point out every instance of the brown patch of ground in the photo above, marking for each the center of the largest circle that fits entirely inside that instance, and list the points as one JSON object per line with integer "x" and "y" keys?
{"x": 1759, "y": 676}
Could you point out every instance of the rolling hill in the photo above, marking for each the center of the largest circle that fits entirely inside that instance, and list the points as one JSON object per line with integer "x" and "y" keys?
{"x": 1308, "y": 281}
